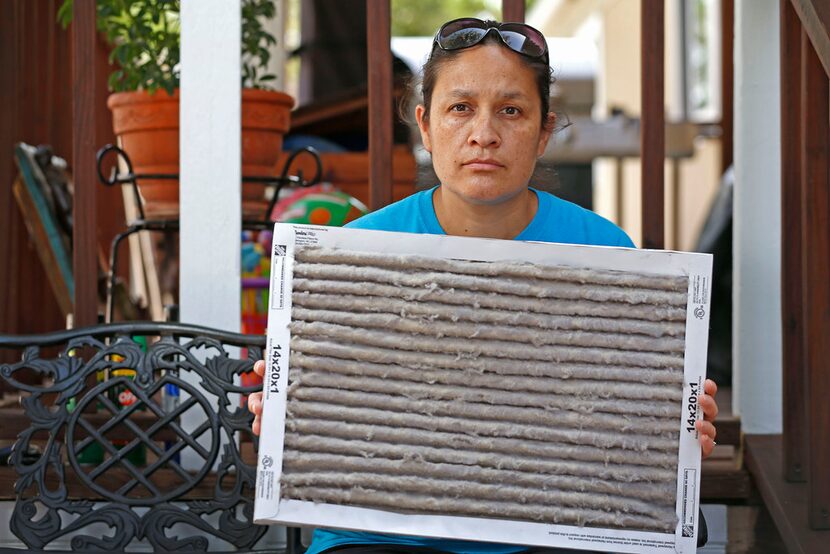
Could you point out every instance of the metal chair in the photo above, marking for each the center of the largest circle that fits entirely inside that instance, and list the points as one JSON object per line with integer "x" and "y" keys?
{"x": 171, "y": 224}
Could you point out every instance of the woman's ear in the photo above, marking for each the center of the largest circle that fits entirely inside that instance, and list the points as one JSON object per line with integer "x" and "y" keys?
{"x": 423, "y": 127}
{"x": 544, "y": 136}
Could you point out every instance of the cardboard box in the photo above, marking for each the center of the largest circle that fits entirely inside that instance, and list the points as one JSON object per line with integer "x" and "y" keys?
{"x": 601, "y": 279}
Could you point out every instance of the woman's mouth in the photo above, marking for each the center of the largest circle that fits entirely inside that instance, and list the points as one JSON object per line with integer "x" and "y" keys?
{"x": 483, "y": 164}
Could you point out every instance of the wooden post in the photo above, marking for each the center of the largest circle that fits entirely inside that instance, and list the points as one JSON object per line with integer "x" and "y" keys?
{"x": 619, "y": 179}
{"x": 815, "y": 128}
{"x": 792, "y": 321}
{"x": 513, "y": 10}
{"x": 674, "y": 183}
{"x": 8, "y": 130}
{"x": 815, "y": 19}
{"x": 85, "y": 100}
{"x": 379, "y": 52}
{"x": 652, "y": 118}
{"x": 727, "y": 87}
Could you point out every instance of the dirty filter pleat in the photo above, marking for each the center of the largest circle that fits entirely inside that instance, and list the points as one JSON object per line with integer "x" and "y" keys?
{"x": 486, "y": 389}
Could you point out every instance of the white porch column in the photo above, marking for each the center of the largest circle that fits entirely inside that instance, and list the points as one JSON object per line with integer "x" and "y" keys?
{"x": 210, "y": 210}
{"x": 210, "y": 163}
{"x": 757, "y": 218}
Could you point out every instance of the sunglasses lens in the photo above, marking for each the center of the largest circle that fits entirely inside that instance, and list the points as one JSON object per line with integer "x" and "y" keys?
{"x": 467, "y": 32}
{"x": 461, "y": 33}
{"x": 524, "y": 39}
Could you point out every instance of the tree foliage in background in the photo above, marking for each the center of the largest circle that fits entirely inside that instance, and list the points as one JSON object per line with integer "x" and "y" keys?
{"x": 420, "y": 18}
{"x": 145, "y": 36}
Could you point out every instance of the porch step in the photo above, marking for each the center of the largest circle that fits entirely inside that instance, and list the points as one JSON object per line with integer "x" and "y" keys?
{"x": 723, "y": 475}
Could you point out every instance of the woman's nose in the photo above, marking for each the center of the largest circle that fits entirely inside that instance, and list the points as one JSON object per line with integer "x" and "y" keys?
{"x": 483, "y": 132}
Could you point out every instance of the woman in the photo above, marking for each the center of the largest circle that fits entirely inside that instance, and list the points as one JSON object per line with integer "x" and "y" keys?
{"x": 485, "y": 119}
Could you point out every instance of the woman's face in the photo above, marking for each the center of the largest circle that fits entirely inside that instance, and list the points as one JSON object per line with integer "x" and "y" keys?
{"x": 484, "y": 127}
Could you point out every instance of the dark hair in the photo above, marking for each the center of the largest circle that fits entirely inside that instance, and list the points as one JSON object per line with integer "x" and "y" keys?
{"x": 439, "y": 57}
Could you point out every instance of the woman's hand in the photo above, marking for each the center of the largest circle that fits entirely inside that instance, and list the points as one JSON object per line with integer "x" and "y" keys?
{"x": 705, "y": 426}
{"x": 255, "y": 399}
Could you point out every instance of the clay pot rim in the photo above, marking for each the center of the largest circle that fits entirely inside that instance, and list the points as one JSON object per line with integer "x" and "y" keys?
{"x": 268, "y": 96}
{"x": 119, "y": 99}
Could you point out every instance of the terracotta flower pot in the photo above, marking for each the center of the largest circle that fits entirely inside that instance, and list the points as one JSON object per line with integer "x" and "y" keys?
{"x": 148, "y": 128}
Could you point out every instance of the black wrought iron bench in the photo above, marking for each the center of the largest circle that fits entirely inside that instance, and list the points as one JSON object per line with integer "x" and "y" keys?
{"x": 103, "y": 458}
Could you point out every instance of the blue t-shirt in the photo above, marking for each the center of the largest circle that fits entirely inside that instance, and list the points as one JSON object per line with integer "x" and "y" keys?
{"x": 556, "y": 220}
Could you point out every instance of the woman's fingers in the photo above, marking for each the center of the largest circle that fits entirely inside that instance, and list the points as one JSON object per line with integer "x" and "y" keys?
{"x": 255, "y": 399}
{"x": 709, "y": 387}
{"x": 255, "y": 407}
{"x": 707, "y": 445}
{"x": 709, "y": 406}
{"x": 255, "y": 403}
{"x": 706, "y": 428}
{"x": 706, "y": 435}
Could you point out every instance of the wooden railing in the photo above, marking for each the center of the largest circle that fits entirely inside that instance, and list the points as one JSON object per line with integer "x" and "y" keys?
{"x": 791, "y": 469}
{"x": 652, "y": 122}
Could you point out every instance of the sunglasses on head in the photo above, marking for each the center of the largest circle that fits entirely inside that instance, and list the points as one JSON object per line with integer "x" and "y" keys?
{"x": 469, "y": 31}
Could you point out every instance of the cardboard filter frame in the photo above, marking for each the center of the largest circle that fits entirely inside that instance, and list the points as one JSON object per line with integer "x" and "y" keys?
{"x": 272, "y": 506}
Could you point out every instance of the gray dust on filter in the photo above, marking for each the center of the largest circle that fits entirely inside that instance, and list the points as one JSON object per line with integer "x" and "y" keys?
{"x": 460, "y": 297}
{"x": 486, "y": 389}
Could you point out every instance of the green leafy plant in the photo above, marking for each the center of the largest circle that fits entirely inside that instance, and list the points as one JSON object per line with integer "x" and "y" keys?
{"x": 145, "y": 36}
{"x": 255, "y": 42}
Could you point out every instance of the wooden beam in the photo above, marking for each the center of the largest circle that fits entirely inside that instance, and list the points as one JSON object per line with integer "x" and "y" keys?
{"x": 513, "y": 10}
{"x": 379, "y": 52}
{"x": 727, "y": 87}
{"x": 8, "y": 130}
{"x": 652, "y": 126}
{"x": 815, "y": 17}
{"x": 85, "y": 100}
{"x": 792, "y": 293}
{"x": 815, "y": 128}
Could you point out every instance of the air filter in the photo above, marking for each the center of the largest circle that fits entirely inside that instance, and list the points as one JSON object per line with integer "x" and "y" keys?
{"x": 513, "y": 392}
